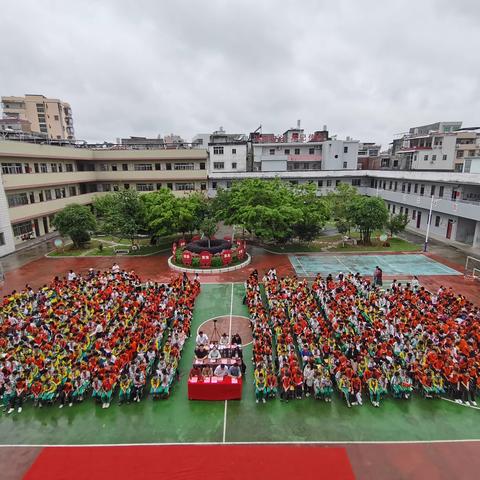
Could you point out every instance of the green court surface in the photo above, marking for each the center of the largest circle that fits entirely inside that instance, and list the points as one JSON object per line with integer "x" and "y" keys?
{"x": 402, "y": 265}
{"x": 180, "y": 420}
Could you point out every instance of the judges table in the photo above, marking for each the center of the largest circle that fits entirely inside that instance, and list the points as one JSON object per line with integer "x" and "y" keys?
{"x": 214, "y": 388}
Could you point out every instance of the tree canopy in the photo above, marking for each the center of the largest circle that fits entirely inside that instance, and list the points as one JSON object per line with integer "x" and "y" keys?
{"x": 121, "y": 213}
{"x": 397, "y": 223}
{"x": 76, "y": 221}
{"x": 369, "y": 214}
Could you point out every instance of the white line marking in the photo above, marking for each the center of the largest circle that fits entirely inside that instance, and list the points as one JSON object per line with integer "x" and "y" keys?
{"x": 286, "y": 442}
{"x": 459, "y": 404}
{"x": 339, "y": 261}
{"x": 231, "y": 312}
{"x": 225, "y": 422}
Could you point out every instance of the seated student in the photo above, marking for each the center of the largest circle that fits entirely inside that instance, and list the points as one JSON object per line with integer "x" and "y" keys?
{"x": 165, "y": 384}
{"x": 356, "y": 385}
{"x": 309, "y": 376}
{"x": 202, "y": 339}
{"x": 106, "y": 391}
{"x": 96, "y": 388}
{"x": 287, "y": 388}
{"x": 221, "y": 371}
{"x": 36, "y": 390}
{"x": 374, "y": 391}
{"x": 214, "y": 353}
{"x": 272, "y": 384}
{"x": 260, "y": 388}
{"x": 207, "y": 371}
{"x": 297, "y": 378}
{"x": 138, "y": 384}
{"x": 236, "y": 340}
{"x": 224, "y": 340}
{"x": 66, "y": 392}
{"x": 345, "y": 387}
{"x": 125, "y": 389}
{"x": 235, "y": 371}
{"x": 201, "y": 353}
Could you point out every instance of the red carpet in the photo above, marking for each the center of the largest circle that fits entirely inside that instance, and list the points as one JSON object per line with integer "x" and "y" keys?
{"x": 216, "y": 462}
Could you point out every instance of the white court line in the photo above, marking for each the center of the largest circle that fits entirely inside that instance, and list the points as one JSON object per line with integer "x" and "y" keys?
{"x": 286, "y": 442}
{"x": 229, "y": 338}
{"x": 459, "y": 404}
{"x": 339, "y": 261}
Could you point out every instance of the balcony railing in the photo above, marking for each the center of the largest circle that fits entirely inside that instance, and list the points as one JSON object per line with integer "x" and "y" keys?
{"x": 304, "y": 158}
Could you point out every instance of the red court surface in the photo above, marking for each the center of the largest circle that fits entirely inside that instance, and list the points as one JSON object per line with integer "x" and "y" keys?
{"x": 199, "y": 462}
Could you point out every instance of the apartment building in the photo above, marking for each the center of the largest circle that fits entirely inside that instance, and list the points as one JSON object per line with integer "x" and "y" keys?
{"x": 369, "y": 156}
{"x": 40, "y": 180}
{"x": 294, "y": 151}
{"x": 49, "y": 116}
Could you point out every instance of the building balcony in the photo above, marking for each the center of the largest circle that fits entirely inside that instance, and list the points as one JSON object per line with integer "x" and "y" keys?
{"x": 414, "y": 149}
{"x": 304, "y": 158}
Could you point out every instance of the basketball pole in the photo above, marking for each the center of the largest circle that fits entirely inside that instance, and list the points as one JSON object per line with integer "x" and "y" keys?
{"x": 425, "y": 245}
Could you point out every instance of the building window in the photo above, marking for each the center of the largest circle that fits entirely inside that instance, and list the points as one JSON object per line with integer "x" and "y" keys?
{"x": 48, "y": 195}
{"x": 218, "y": 150}
{"x": 440, "y": 191}
{"x": 422, "y": 189}
{"x": 22, "y": 228}
{"x": 311, "y": 151}
{"x": 56, "y": 117}
{"x": 234, "y": 151}
{"x": 116, "y": 188}
{"x": 403, "y": 188}
{"x": 425, "y": 158}
{"x": 60, "y": 193}
{"x": 437, "y": 221}
{"x": 106, "y": 187}
{"x": 393, "y": 211}
{"x": 390, "y": 185}
{"x": 409, "y": 188}
{"x": 345, "y": 149}
{"x": 229, "y": 183}
{"x": 17, "y": 199}
{"x": 388, "y": 205}
{"x": 337, "y": 182}
{"x": 356, "y": 182}
{"x": 8, "y": 168}
{"x": 183, "y": 166}
{"x": 203, "y": 186}
{"x": 214, "y": 185}
{"x": 444, "y": 157}
{"x": 234, "y": 165}
{"x": 401, "y": 210}
{"x": 414, "y": 214}
{"x": 272, "y": 151}
{"x": 406, "y": 213}
{"x": 103, "y": 167}
{"x": 329, "y": 183}
{"x": 43, "y": 168}
{"x": 124, "y": 167}
{"x": 218, "y": 165}
{"x": 142, "y": 167}
{"x": 145, "y": 187}
{"x": 432, "y": 190}
{"x": 69, "y": 167}
{"x": 168, "y": 166}
{"x": 202, "y": 165}
{"x": 415, "y": 190}
{"x": 2, "y": 238}
{"x": 345, "y": 164}
{"x": 459, "y": 153}
{"x": 72, "y": 191}
{"x": 434, "y": 157}
{"x": 184, "y": 186}
{"x": 320, "y": 183}
{"x": 297, "y": 151}
{"x": 114, "y": 167}
{"x": 158, "y": 166}
{"x": 287, "y": 151}
{"x": 395, "y": 187}
{"x": 53, "y": 167}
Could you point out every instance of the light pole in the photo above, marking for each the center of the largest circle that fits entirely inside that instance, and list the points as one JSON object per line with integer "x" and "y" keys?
{"x": 425, "y": 245}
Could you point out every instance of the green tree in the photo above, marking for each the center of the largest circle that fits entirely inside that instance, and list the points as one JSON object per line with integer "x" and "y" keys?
{"x": 121, "y": 213}
{"x": 341, "y": 202}
{"x": 76, "y": 221}
{"x": 369, "y": 214}
{"x": 208, "y": 228}
{"x": 160, "y": 212}
{"x": 397, "y": 223}
{"x": 191, "y": 211}
{"x": 314, "y": 212}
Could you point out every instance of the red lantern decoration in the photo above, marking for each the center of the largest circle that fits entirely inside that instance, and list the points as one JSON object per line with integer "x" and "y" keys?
{"x": 195, "y": 238}
{"x": 205, "y": 259}
{"x": 187, "y": 257}
{"x": 182, "y": 242}
{"x": 240, "y": 253}
{"x": 226, "y": 257}
{"x": 174, "y": 248}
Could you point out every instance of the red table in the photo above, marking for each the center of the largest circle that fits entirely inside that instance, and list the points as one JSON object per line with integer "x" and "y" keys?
{"x": 221, "y": 390}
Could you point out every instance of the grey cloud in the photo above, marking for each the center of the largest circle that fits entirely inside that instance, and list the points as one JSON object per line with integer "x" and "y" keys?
{"x": 366, "y": 69}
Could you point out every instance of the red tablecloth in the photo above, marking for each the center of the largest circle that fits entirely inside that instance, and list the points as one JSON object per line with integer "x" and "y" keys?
{"x": 224, "y": 390}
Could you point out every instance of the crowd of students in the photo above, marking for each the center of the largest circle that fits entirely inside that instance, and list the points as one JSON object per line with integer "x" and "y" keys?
{"x": 346, "y": 333}
{"x": 93, "y": 335}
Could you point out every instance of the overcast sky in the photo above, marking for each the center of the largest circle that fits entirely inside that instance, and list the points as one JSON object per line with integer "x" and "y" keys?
{"x": 366, "y": 69}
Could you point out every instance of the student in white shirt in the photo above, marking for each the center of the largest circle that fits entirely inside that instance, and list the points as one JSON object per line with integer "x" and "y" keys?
{"x": 202, "y": 339}
{"x": 221, "y": 371}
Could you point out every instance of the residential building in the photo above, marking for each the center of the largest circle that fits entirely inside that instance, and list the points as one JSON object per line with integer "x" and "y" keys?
{"x": 39, "y": 180}
{"x": 369, "y": 156}
{"x": 227, "y": 152}
{"x": 143, "y": 143}
{"x": 293, "y": 151}
{"x": 49, "y": 116}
